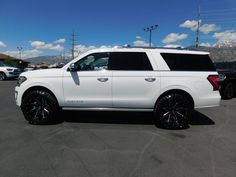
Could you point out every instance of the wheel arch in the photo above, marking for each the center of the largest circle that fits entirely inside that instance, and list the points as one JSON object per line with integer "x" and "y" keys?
{"x": 3, "y": 73}
{"x": 43, "y": 88}
{"x": 178, "y": 91}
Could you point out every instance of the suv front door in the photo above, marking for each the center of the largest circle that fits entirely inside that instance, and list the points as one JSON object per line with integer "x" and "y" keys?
{"x": 90, "y": 84}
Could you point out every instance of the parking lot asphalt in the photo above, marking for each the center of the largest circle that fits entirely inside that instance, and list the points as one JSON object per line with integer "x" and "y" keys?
{"x": 115, "y": 144}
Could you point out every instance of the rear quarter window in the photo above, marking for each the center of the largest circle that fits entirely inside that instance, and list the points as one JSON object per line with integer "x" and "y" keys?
{"x": 188, "y": 62}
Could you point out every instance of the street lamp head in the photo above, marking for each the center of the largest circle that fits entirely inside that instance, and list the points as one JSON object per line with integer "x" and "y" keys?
{"x": 19, "y": 48}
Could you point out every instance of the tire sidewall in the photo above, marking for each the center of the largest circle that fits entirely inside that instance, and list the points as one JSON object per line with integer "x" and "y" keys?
{"x": 3, "y": 76}
{"x": 227, "y": 90}
{"x": 158, "y": 116}
{"x": 53, "y": 106}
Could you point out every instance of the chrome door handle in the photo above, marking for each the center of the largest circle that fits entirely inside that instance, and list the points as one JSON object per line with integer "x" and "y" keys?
{"x": 103, "y": 79}
{"x": 150, "y": 79}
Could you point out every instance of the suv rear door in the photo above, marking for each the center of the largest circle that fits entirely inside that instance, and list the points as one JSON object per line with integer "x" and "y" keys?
{"x": 135, "y": 84}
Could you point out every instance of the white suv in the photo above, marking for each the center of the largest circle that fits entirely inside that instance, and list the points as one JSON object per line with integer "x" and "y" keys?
{"x": 8, "y": 71}
{"x": 169, "y": 82}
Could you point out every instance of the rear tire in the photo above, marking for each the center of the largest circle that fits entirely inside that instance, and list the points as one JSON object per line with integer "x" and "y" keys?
{"x": 2, "y": 76}
{"x": 228, "y": 92}
{"x": 173, "y": 111}
{"x": 39, "y": 107}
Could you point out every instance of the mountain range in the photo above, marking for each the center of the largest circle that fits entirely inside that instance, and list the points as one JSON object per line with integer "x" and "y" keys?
{"x": 222, "y": 53}
{"x": 50, "y": 59}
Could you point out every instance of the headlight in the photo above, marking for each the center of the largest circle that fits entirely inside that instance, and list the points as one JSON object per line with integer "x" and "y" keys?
{"x": 20, "y": 80}
{"x": 9, "y": 69}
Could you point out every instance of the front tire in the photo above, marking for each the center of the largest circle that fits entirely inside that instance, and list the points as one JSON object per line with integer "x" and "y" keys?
{"x": 173, "y": 111}
{"x": 39, "y": 107}
{"x": 2, "y": 76}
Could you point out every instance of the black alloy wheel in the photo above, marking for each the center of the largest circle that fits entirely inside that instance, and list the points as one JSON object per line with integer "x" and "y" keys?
{"x": 39, "y": 107}
{"x": 2, "y": 76}
{"x": 228, "y": 91}
{"x": 173, "y": 111}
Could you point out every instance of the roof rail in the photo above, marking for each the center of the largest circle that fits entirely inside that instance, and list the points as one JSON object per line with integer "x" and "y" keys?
{"x": 143, "y": 47}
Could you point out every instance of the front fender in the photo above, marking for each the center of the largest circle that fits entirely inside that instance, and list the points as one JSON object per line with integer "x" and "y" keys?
{"x": 24, "y": 87}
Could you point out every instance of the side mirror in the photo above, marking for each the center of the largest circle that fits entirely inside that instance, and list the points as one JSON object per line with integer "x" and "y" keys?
{"x": 72, "y": 67}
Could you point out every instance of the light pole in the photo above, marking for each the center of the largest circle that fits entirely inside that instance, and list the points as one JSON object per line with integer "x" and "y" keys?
{"x": 20, "y": 50}
{"x": 150, "y": 29}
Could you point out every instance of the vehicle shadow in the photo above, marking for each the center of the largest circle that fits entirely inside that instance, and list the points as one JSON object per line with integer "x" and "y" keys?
{"x": 145, "y": 118}
{"x": 200, "y": 119}
{"x": 108, "y": 117}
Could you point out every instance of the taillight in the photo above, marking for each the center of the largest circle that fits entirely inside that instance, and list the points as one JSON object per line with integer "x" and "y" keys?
{"x": 213, "y": 79}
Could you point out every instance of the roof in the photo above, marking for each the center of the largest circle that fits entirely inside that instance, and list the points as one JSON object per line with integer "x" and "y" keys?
{"x": 145, "y": 49}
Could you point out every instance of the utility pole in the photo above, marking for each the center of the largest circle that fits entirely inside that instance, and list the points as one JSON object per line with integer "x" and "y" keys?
{"x": 73, "y": 40}
{"x": 198, "y": 26}
{"x": 20, "y": 50}
{"x": 150, "y": 29}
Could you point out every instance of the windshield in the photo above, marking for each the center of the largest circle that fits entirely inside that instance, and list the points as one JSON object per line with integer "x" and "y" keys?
{"x": 4, "y": 64}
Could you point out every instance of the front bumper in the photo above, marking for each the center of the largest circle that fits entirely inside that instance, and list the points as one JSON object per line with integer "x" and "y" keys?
{"x": 12, "y": 74}
{"x": 17, "y": 98}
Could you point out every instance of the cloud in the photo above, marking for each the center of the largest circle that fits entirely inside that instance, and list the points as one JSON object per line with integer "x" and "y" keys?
{"x": 62, "y": 40}
{"x": 37, "y": 43}
{"x": 228, "y": 35}
{"x": 207, "y": 28}
{"x": 225, "y": 38}
{"x": 191, "y": 24}
{"x": 204, "y": 28}
{"x": 2, "y": 45}
{"x": 57, "y": 48}
{"x": 46, "y": 46}
{"x": 139, "y": 42}
{"x": 174, "y": 37}
{"x": 207, "y": 44}
{"x": 80, "y": 49}
{"x": 25, "y": 54}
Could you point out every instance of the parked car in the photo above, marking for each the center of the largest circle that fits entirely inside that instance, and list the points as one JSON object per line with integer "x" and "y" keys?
{"x": 29, "y": 69}
{"x": 7, "y": 71}
{"x": 228, "y": 83}
{"x": 168, "y": 82}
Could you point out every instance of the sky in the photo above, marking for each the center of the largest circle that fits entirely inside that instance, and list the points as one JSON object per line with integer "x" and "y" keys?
{"x": 44, "y": 27}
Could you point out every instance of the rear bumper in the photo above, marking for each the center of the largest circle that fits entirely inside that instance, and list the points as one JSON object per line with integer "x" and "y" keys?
{"x": 212, "y": 100}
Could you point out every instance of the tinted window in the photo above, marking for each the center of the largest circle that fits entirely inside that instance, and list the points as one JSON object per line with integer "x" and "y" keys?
{"x": 93, "y": 62}
{"x": 133, "y": 61}
{"x": 188, "y": 62}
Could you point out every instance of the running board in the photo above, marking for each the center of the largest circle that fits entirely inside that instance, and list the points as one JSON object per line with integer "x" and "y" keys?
{"x": 106, "y": 109}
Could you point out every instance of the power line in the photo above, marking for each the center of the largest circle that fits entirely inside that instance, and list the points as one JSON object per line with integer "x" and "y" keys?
{"x": 219, "y": 13}
{"x": 219, "y": 10}
{"x": 219, "y": 21}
